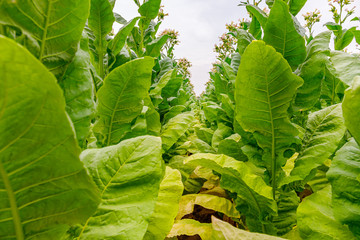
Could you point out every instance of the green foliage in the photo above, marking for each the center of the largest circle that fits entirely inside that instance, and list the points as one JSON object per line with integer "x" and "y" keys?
{"x": 43, "y": 186}
{"x": 119, "y": 100}
{"x": 52, "y": 31}
{"x": 265, "y": 86}
{"x": 281, "y": 33}
{"x": 128, "y": 176}
{"x": 316, "y": 218}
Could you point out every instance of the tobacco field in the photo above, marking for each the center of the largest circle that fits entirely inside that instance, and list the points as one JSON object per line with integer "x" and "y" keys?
{"x": 103, "y": 138}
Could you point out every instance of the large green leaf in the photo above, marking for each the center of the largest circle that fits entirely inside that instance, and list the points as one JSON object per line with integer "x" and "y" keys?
{"x": 280, "y": 32}
{"x": 351, "y": 106}
{"x": 153, "y": 48}
{"x": 265, "y": 86}
{"x": 316, "y": 218}
{"x": 120, "y": 99}
{"x": 167, "y": 205}
{"x": 296, "y": 5}
{"x": 128, "y": 176}
{"x": 43, "y": 185}
{"x": 78, "y": 87}
{"x": 55, "y": 27}
{"x": 324, "y": 131}
{"x": 120, "y": 38}
{"x": 150, "y": 9}
{"x": 176, "y": 128}
{"x": 319, "y": 43}
{"x": 343, "y": 173}
{"x": 347, "y": 66}
{"x": 100, "y": 21}
{"x": 254, "y": 197}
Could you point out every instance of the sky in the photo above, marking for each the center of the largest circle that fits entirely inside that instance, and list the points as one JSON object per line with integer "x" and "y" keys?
{"x": 201, "y": 22}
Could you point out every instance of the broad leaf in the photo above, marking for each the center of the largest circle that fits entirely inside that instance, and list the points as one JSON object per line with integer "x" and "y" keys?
{"x": 176, "y": 128}
{"x": 280, "y": 32}
{"x": 316, "y": 218}
{"x": 265, "y": 86}
{"x": 167, "y": 205}
{"x": 55, "y": 27}
{"x": 324, "y": 130}
{"x": 296, "y": 5}
{"x": 347, "y": 66}
{"x": 120, "y": 38}
{"x": 120, "y": 99}
{"x": 100, "y": 21}
{"x": 78, "y": 87}
{"x": 44, "y": 187}
{"x": 153, "y": 48}
{"x": 343, "y": 173}
{"x": 128, "y": 176}
{"x": 351, "y": 106}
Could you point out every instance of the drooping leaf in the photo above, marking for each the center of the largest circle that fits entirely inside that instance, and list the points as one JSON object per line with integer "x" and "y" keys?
{"x": 280, "y": 32}
{"x": 162, "y": 83}
{"x": 343, "y": 173}
{"x": 324, "y": 131}
{"x": 265, "y": 86}
{"x": 120, "y": 98}
{"x": 350, "y": 107}
{"x": 286, "y": 218}
{"x": 55, "y": 27}
{"x": 220, "y": 134}
{"x": 313, "y": 72}
{"x": 229, "y": 232}
{"x": 347, "y": 66}
{"x": 212, "y": 202}
{"x": 320, "y": 43}
{"x": 44, "y": 187}
{"x": 254, "y": 197}
{"x": 176, "y": 128}
{"x": 190, "y": 227}
{"x": 244, "y": 38}
{"x": 78, "y": 87}
{"x": 167, "y": 205}
{"x": 316, "y": 218}
{"x": 259, "y": 14}
{"x": 128, "y": 176}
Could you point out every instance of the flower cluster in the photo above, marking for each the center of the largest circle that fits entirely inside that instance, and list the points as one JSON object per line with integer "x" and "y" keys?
{"x": 338, "y": 11}
{"x": 311, "y": 18}
{"x": 228, "y": 42}
{"x": 173, "y": 36}
{"x": 162, "y": 14}
{"x": 184, "y": 65}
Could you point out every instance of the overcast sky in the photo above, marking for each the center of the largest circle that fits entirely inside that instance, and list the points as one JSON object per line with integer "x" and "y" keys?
{"x": 201, "y": 22}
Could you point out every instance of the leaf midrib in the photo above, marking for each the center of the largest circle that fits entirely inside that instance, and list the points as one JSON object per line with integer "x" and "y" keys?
{"x": 13, "y": 205}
